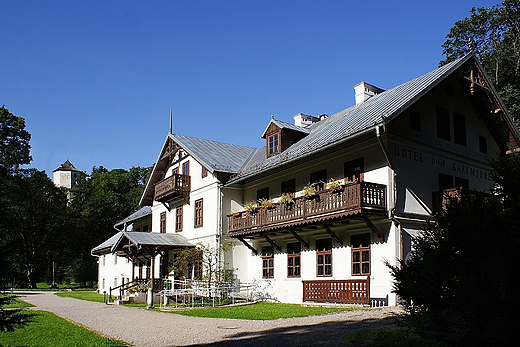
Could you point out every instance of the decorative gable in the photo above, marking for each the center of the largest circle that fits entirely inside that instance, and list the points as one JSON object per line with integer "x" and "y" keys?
{"x": 279, "y": 136}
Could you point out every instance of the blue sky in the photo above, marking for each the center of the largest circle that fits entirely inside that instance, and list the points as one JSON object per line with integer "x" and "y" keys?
{"x": 95, "y": 80}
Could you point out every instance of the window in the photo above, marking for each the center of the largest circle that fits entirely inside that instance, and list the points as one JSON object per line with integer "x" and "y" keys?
{"x": 445, "y": 182}
{"x": 267, "y": 262}
{"x": 186, "y": 168}
{"x": 175, "y": 171}
{"x": 204, "y": 172}
{"x": 482, "y": 144}
{"x": 273, "y": 144}
{"x": 360, "y": 254}
{"x": 198, "y": 213}
{"x": 289, "y": 186}
{"x": 354, "y": 170}
{"x": 162, "y": 227}
{"x": 293, "y": 259}
{"x": 178, "y": 219}
{"x": 262, "y": 194}
{"x": 459, "y": 129}
{"x": 443, "y": 123}
{"x": 324, "y": 257}
{"x": 319, "y": 178}
{"x": 145, "y": 228}
{"x": 461, "y": 183}
{"x": 415, "y": 120}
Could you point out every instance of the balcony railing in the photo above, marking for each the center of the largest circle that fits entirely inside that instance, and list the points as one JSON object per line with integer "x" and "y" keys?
{"x": 338, "y": 291}
{"x": 175, "y": 186}
{"x": 354, "y": 198}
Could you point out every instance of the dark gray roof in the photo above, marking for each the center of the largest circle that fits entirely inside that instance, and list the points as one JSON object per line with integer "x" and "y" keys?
{"x": 215, "y": 156}
{"x": 153, "y": 239}
{"x": 353, "y": 121}
{"x": 67, "y": 166}
{"x": 283, "y": 125}
{"x": 139, "y": 238}
{"x": 141, "y": 213}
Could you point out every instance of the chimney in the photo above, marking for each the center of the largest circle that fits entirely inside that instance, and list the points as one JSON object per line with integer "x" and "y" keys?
{"x": 365, "y": 91}
{"x": 304, "y": 120}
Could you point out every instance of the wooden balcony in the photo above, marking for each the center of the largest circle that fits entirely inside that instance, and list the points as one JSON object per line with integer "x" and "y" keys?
{"x": 355, "y": 291}
{"x": 356, "y": 198}
{"x": 174, "y": 187}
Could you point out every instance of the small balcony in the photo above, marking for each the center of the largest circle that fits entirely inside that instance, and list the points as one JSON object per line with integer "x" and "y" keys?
{"x": 176, "y": 186}
{"x": 358, "y": 198}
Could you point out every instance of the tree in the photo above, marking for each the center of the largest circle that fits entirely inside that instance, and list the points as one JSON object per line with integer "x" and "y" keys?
{"x": 14, "y": 142}
{"x": 494, "y": 34}
{"x": 459, "y": 285}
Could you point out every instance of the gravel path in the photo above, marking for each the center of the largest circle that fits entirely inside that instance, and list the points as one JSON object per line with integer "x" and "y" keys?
{"x": 140, "y": 327}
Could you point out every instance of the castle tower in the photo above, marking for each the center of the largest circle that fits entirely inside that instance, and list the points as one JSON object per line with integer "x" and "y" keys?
{"x": 65, "y": 176}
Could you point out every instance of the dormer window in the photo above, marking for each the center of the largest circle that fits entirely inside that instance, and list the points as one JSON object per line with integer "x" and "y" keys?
{"x": 273, "y": 144}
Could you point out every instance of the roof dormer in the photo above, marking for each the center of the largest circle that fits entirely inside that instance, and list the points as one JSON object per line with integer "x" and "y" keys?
{"x": 280, "y": 135}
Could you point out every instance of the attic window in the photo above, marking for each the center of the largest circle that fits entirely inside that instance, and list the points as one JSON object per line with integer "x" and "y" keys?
{"x": 273, "y": 144}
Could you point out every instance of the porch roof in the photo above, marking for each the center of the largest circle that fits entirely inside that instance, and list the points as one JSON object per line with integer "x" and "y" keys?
{"x": 139, "y": 240}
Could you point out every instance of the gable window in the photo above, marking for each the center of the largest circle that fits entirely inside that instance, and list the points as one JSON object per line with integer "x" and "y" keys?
{"x": 360, "y": 254}
{"x": 443, "y": 123}
{"x": 482, "y": 144}
{"x": 293, "y": 259}
{"x": 204, "y": 172}
{"x": 459, "y": 129}
{"x": 262, "y": 194}
{"x": 324, "y": 257}
{"x": 319, "y": 178}
{"x": 186, "y": 168}
{"x": 354, "y": 170}
{"x": 198, "y": 213}
{"x": 178, "y": 219}
{"x": 163, "y": 222}
{"x": 289, "y": 186}
{"x": 267, "y": 262}
{"x": 273, "y": 144}
{"x": 415, "y": 120}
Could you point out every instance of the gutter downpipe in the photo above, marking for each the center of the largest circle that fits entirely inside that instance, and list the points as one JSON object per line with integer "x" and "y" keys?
{"x": 392, "y": 210}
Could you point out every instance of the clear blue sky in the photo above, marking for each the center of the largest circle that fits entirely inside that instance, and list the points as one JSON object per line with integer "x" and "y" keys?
{"x": 95, "y": 80}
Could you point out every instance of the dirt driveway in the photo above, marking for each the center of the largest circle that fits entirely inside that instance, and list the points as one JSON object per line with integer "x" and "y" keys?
{"x": 141, "y": 327}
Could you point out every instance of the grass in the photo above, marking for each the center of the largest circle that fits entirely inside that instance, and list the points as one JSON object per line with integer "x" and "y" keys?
{"x": 262, "y": 311}
{"x": 83, "y": 295}
{"x": 18, "y": 304}
{"x": 389, "y": 337}
{"x": 51, "y": 330}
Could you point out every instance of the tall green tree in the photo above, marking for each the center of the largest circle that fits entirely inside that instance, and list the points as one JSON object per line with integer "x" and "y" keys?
{"x": 494, "y": 34}
{"x": 460, "y": 284}
{"x": 14, "y": 142}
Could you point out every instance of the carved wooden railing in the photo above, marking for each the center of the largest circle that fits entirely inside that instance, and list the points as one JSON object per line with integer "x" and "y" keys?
{"x": 354, "y": 196}
{"x": 176, "y": 185}
{"x": 355, "y": 291}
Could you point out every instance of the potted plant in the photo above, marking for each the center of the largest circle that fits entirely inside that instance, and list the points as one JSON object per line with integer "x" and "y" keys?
{"x": 335, "y": 185}
{"x": 266, "y": 204}
{"x": 287, "y": 198}
{"x": 251, "y": 206}
{"x": 309, "y": 191}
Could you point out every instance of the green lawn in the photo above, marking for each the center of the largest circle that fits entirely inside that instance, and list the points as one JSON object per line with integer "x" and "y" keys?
{"x": 262, "y": 311}
{"x": 51, "y": 330}
{"x": 83, "y": 295}
{"x": 389, "y": 337}
{"x": 18, "y": 304}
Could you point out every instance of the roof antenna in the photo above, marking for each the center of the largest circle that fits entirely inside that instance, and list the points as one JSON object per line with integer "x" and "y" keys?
{"x": 171, "y": 117}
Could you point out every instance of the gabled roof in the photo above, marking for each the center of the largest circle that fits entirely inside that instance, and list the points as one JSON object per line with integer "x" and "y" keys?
{"x": 283, "y": 125}
{"x": 214, "y": 156}
{"x": 360, "y": 119}
{"x": 140, "y": 213}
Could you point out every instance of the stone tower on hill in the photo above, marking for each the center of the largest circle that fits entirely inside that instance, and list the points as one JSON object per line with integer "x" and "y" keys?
{"x": 66, "y": 175}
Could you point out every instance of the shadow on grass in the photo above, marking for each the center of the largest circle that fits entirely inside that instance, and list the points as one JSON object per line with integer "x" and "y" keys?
{"x": 323, "y": 334}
